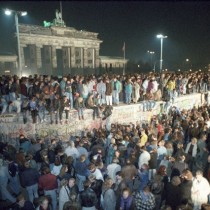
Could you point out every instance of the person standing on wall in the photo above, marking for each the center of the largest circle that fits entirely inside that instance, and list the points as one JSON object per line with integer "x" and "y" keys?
{"x": 108, "y": 92}
{"x": 116, "y": 87}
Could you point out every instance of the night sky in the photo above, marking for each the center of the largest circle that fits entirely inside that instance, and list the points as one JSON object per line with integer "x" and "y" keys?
{"x": 187, "y": 25}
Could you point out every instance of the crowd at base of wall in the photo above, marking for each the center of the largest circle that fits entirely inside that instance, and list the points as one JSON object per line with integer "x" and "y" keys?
{"x": 11, "y": 126}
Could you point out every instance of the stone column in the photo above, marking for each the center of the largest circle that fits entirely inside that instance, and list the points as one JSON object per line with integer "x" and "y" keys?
{"x": 38, "y": 57}
{"x": 54, "y": 57}
{"x": 47, "y": 59}
{"x": 66, "y": 57}
{"x": 32, "y": 61}
{"x": 72, "y": 57}
{"x": 22, "y": 57}
{"x": 97, "y": 59}
{"x": 82, "y": 57}
{"x": 85, "y": 57}
{"x": 94, "y": 59}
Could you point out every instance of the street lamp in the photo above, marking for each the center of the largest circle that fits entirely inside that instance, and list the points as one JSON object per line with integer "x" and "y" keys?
{"x": 16, "y": 13}
{"x": 151, "y": 54}
{"x": 161, "y": 37}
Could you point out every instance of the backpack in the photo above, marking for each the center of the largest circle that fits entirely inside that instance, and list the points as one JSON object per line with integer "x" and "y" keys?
{"x": 12, "y": 169}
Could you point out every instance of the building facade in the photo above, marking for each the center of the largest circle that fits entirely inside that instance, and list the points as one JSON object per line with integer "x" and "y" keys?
{"x": 58, "y": 50}
{"x": 8, "y": 64}
{"x": 111, "y": 64}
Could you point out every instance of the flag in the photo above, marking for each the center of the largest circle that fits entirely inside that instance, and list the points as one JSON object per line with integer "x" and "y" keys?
{"x": 123, "y": 49}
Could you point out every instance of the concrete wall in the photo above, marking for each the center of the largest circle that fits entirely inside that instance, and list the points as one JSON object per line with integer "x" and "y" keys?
{"x": 11, "y": 126}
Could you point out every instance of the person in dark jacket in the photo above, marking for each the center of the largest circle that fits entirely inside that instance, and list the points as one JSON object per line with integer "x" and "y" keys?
{"x": 80, "y": 106}
{"x": 107, "y": 112}
{"x": 81, "y": 168}
{"x": 64, "y": 106}
{"x": 153, "y": 159}
{"x": 92, "y": 105}
{"x": 108, "y": 92}
{"x": 25, "y": 143}
{"x": 23, "y": 90}
{"x": 29, "y": 179}
{"x": 127, "y": 201}
{"x": 54, "y": 109}
{"x": 186, "y": 186}
{"x": 25, "y": 109}
{"x": 88, "y": 197}
{"x": 23, "y": 204}
{"x": 36, "y": 87}
{"x": 51, "y": 153}
{"x": 96, "y": 186}
{"x": 173, "y": 192}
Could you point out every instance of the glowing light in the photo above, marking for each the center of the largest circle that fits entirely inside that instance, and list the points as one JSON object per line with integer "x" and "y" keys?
{"x": 8, "y": 12}
{"x": 160, "y": 36}
{"x": 24, "y": 13}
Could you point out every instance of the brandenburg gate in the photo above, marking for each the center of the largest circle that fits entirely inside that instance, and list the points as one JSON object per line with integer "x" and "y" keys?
{"x": 42, "y": 47}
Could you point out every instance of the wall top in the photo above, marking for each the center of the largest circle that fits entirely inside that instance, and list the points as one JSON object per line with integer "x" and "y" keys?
{"x": 57, "y": 31}
{"x": 105, "y": 59}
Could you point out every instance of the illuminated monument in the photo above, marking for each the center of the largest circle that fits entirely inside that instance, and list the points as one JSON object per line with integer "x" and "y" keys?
{"x": 41, "y": 47}
{"x": 59, "y": 50}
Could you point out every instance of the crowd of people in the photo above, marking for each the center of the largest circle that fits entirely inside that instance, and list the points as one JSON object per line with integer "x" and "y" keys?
{"x": 164, "y": 164}
{"x": 40, "y": 95}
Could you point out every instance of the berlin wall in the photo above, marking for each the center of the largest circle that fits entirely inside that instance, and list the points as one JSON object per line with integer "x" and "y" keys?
{"x": 11, "y": 126}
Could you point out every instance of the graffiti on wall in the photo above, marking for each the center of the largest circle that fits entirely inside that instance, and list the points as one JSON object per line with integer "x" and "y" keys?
{"x": 121, "y": 114}
{"x": 10, "y": 132}
{"x": 7, "y": 118}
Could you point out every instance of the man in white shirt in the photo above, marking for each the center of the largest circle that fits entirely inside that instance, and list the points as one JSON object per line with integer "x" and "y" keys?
{"x": 145, "y": 84}
{"x": 15, "y": 106}
{"x": 95, "y": 171}
{"x": 200, "y": 190}
{"x": 155, "y": 85}
{"x": 144, "y": 157}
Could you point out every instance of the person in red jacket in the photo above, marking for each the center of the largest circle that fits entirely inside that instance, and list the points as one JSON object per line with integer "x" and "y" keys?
{"x": 48, "y": 183}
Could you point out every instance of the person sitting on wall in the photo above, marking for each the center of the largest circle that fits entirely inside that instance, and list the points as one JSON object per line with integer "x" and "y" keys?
{"x": 107, "y": 111}
{"x": 3, "y": 105}
{"x": 80, "y": 106}
{"x": 15, "y": 106}
{"x": 92, "y": 104}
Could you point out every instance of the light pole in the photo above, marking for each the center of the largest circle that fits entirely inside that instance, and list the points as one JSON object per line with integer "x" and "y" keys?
{"x": 161, "y": 37}
{"x": 16, "y": 13}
